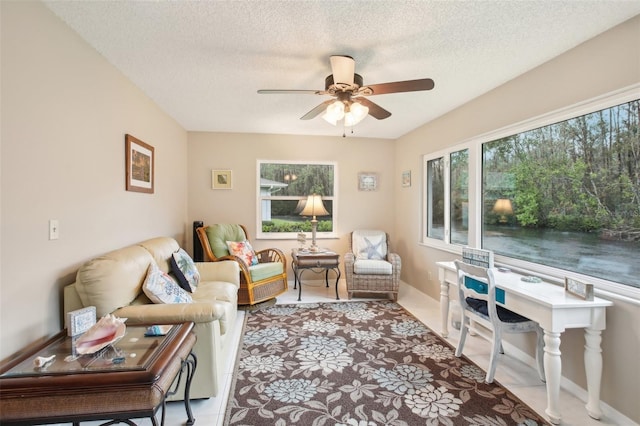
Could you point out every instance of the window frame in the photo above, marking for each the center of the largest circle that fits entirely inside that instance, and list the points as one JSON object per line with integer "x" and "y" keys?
{"x": 294, "y": 235}
{"x": 474, "y": 144}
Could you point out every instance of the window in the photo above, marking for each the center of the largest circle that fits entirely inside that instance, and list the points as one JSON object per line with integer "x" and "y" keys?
{"x": 557, "y": 194}
{"x": 448, "y": 198}
{"x": 283, "y": 188}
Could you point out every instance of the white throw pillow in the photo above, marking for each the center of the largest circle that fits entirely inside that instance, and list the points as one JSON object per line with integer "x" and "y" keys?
{"x": 160, "y": 288}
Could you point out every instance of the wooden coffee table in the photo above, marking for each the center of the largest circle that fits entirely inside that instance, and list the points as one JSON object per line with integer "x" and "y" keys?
{"x": 129, "y": 379}
{"x": 322, "y": 260}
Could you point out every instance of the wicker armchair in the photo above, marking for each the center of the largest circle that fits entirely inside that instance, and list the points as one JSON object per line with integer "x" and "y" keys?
{"x": 370, "y": 266}
{"x": 262, "y": 281}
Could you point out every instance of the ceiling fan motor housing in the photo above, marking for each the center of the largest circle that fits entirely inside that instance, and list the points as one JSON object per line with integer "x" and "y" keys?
{"x": 333, "y": 88}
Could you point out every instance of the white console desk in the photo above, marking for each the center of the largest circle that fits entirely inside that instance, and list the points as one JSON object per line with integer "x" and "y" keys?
{"x": 555, "y": 311}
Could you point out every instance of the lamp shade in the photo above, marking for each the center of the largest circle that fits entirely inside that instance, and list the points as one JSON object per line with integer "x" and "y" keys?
{"x": 314, "y": 207}
{"x": 503, "y": 206}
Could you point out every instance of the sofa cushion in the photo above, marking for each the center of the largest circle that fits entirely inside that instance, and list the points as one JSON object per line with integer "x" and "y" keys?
{"x": 218, "y": 235}
{"x": 185, "y": 270}
{"x": 161, "y": 249}
{"x": 160, "y": 288}
{"x": 265, "y": 270}
{"x": 372, "y": 267}
{"x": 225, "y": 295}
{"x": 369, "y": 244}
{"x": 244, "y": 251}
{"x": 114, "y": 279}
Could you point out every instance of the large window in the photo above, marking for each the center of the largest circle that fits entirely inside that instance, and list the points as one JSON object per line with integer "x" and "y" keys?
{"x": 283, "y": 188}
{"x": 564, "y": 194}
{"x": 447, "y": 217}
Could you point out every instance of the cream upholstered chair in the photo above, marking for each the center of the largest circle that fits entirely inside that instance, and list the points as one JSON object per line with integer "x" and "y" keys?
{"x": 263, "y": 279}
{"x": 370, "y": 266}
{"x": 477, "y": 298}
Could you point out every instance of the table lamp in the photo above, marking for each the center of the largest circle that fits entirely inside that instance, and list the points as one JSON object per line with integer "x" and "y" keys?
{"x": 313, "y": 208}
{"x": 503, "y": 207}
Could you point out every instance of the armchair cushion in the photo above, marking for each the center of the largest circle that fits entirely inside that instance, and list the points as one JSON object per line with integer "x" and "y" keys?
{"x": 185, "y": 270}
{"x": 372, "y": 267}
{"x": 244, "y": 251}
{"x": 369, "y": 244}
{"x": 160, "y": 288}
{"x": 265, "y": 270}
{"x": 219, "y": 234}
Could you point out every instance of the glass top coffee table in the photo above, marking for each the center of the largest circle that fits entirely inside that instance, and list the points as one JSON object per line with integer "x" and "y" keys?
{"x": 128, "y": 379}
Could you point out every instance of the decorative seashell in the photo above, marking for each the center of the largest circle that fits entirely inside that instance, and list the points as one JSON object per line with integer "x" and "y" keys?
{"x": 41, "y": 361}
{"x": 106, "y": 331}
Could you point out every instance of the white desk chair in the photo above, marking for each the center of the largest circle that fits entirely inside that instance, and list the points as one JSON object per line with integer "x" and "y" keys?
{"x": 477, "y": 297}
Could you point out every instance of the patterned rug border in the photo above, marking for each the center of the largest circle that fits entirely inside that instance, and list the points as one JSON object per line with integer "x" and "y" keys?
{"x": 248, "y": 313}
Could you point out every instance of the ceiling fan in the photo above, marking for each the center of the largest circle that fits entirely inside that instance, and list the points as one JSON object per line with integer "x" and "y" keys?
{"x": 349, "y": 94}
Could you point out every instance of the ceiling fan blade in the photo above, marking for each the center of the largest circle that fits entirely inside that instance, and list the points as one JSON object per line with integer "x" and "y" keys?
{"x": 342, "y": 68}
{"x": 317, "y": 110}
{"x": 402, "y": 86}
{"x": 291, "y": 92}
{"x": 375, "y": 110}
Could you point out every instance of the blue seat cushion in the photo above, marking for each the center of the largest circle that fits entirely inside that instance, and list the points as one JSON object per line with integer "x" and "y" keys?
{"x": 505, "y": 315}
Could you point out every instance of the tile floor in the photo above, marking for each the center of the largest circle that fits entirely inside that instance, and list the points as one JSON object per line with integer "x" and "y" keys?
{"x": 518, "y": 377}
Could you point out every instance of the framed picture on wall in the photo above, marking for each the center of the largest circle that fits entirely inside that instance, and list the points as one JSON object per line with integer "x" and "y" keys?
{"x": 367, "y": 181}
{"x": 221, "y": 179}
{"x": 406, "y": 178}
{"x": 140, "y": 163}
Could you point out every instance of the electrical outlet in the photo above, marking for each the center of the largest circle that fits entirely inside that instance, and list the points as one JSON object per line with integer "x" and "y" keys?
{"x": 54, "y": 229}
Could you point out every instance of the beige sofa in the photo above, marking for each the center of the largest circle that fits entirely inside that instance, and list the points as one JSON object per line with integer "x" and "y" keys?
{"x": 113, "y": 284}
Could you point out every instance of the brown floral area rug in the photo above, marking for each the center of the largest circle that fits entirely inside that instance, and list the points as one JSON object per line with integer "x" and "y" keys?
{"x": 359, "y": 363}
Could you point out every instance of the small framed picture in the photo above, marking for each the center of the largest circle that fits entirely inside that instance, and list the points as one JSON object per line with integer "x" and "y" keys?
{"x": 80, "y": 320}
{"x": 578, "y": 288}
{"x": 221, "y": 179}
{"x": 406, "y": 178}
{"x": 140, "y": 164}
{"x": 367, "y": 181}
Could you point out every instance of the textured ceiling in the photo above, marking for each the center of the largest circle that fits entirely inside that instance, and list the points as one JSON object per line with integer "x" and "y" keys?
{"x": 203, "y": 61}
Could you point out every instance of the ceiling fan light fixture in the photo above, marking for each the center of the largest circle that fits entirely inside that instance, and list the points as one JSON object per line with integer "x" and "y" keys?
{"x": 334, "y": 112}
{"x": 357, "y": 112}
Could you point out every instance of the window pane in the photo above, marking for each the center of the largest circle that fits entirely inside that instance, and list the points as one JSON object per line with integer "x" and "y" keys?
{"x": 435, "y": 198}
{"x": 567, "y": 195}
{"x": 459, "y": 199}
{"x": 283, "y": 191}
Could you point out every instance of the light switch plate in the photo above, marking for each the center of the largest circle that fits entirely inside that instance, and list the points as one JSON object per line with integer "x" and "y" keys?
{"x": 54, "y": 229}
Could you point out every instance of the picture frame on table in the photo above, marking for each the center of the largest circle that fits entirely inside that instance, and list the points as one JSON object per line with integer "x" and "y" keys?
{"x": 221, "y": 179}
{"x": 406, "y": 178}
{"x": 140, "y": 165}
{"x": 80, "y": 320}
{"x": 367, "y": 181}
{"x": 578, "y": 288}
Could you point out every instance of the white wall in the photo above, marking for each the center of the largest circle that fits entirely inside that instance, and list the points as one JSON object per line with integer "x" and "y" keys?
{"x": 604, "y": 64}
{"x": 65, "y": 112}
{"x": 240, "y": 152}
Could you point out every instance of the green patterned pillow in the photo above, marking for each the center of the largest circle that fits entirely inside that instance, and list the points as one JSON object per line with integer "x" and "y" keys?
{"x": 185, "y": 270}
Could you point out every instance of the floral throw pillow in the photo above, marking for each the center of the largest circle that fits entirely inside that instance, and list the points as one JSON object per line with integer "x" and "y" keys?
{"x": 185, "y": 270}
{"x": 160, "y": 288}
{"x": 244, "y": 251}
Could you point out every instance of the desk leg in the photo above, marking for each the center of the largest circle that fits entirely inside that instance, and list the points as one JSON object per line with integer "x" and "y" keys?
{"x": 326, "y": 277}
{"x": 444, "y": 307}
{"x": 593, "y": 368}
{"x": 552, "y": 372}
{"x": 337, "y": 279}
